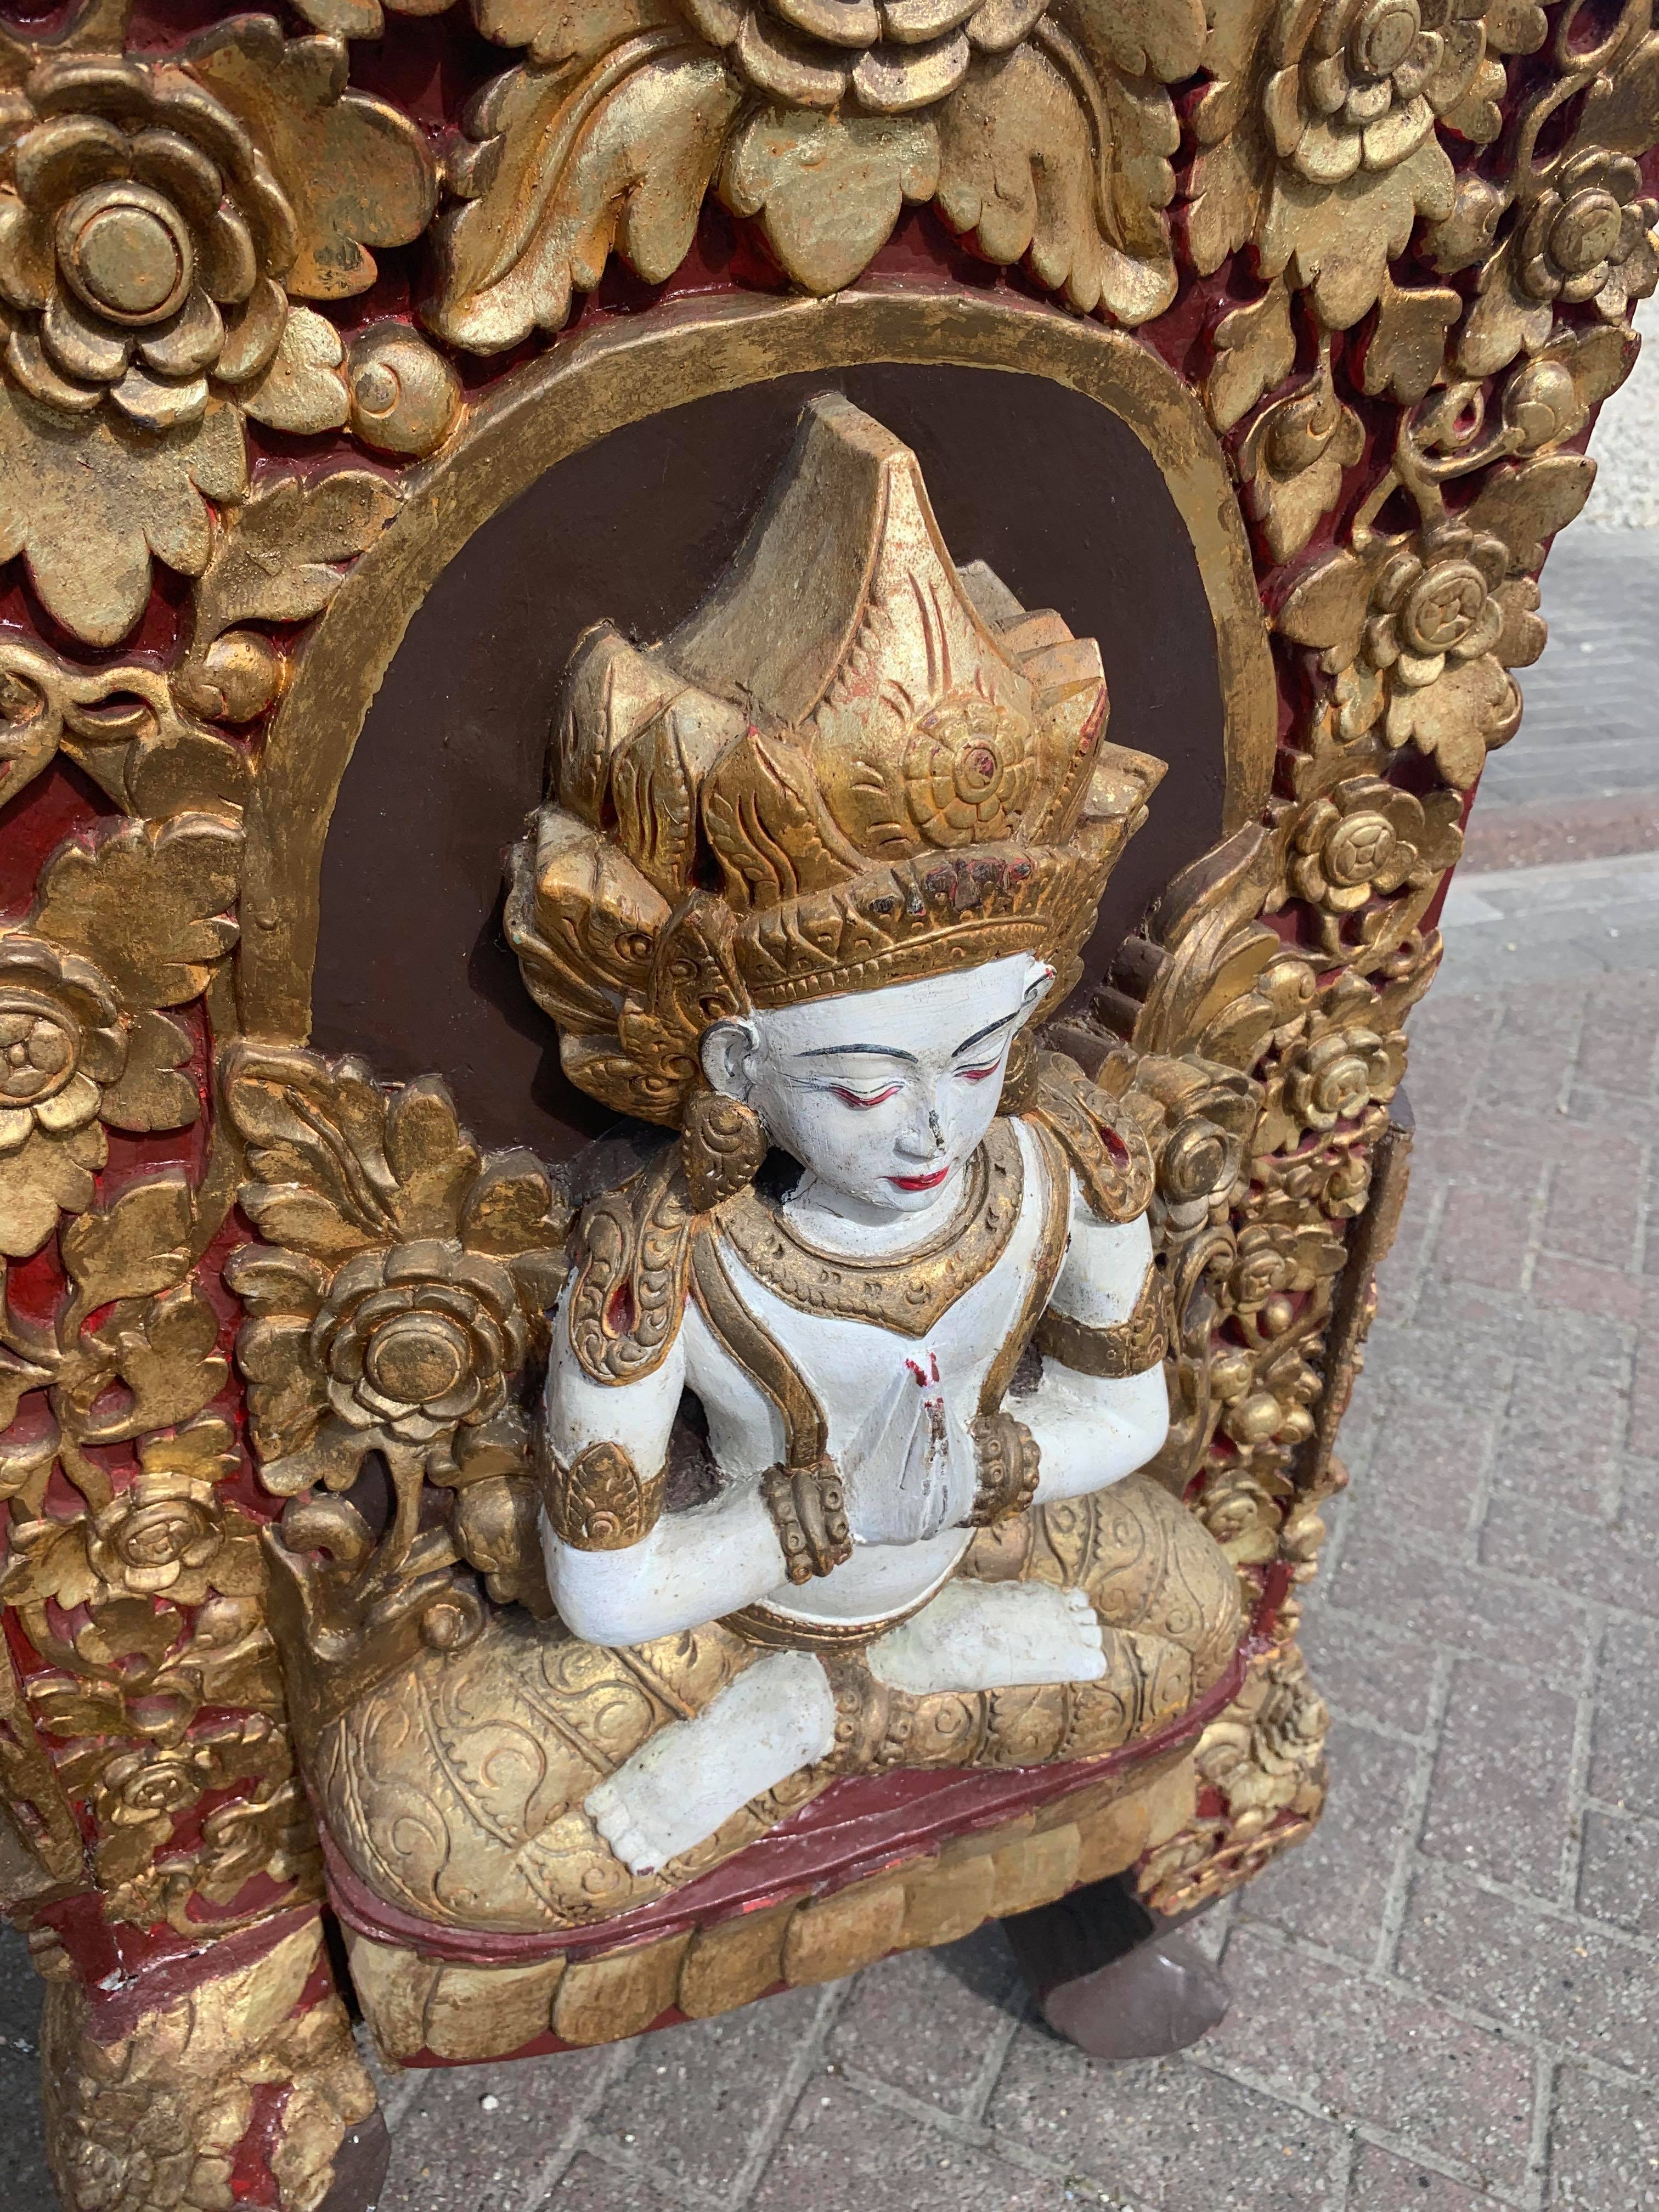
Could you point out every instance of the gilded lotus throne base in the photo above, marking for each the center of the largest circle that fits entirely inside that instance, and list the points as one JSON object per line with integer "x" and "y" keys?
{"x": 1290, "y": 316}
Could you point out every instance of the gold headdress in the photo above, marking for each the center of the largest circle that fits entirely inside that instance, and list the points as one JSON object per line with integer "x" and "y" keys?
{"x": 852, "y": 766}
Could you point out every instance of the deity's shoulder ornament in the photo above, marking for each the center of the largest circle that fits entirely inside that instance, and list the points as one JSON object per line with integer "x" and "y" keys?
{"x": 1108, "y": 1155}
{"x": 629, "y": 1284}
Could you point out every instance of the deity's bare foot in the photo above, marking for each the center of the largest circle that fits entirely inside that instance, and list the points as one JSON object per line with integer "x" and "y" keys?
{"x": 775, "y": 1719}
{"x": 992, "y": 1636}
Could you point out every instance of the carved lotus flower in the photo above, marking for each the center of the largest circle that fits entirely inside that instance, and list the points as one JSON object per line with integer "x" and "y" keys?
{"x": 405, "y": 1346}
{"x": 1360, "y": 82}
{"x": 137, "y": 1787}
{"x": 1367, "y": 838}
{"x": 968, "y": 772}
{"x": 61, "y": 1040}
{"x": 1266, "y": 1265}
{"x": 1240, "y": 1508}
{"x": 887, "y": 57}
{"x": 1317, "y": 134}
{"x": 1429, "y": 617}
{"x": 1334, "y": 1078}
{"x": 145, "y": 239}
{"x": 159, "y": 1535}
{"x": 1586, "y": 239}
{"x": 1268, "y": 1765}
{"x": 1420, "y": 634}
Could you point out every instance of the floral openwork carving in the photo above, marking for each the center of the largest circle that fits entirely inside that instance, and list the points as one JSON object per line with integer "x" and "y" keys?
{"x": 247, "y": 295}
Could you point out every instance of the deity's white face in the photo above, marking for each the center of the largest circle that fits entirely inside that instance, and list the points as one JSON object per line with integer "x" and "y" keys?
{"x": 882, "y": 1095}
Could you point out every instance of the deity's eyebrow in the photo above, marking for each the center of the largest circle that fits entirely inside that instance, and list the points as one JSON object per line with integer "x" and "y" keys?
{"x": 881, "y": 1052}
{"x": 990, "y": 1030}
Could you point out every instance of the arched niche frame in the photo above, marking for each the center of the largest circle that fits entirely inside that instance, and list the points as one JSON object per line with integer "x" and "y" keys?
{"x": 428, "y": 616}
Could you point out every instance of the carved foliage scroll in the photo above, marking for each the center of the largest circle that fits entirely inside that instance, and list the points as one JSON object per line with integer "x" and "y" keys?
{"x": 241, "y": 293}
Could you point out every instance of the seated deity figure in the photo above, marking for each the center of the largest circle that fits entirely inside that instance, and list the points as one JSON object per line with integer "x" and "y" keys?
{"x": 849, "y": 1388}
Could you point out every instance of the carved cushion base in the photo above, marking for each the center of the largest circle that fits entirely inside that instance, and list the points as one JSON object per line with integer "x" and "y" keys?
{"x": 453, "y": 1794}
{"x": 427, "y": 2010}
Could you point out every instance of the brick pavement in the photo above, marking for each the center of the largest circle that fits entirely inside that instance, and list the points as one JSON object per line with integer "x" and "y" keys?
{"x": 1449, "y": 1998}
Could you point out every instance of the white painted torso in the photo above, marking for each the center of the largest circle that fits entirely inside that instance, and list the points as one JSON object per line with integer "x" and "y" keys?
{"x": 848, "y": 1365}
{"x": 709, "y": 1560}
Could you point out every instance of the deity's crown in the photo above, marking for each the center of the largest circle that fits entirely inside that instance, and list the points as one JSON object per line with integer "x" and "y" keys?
{"x": 853, "y": 765}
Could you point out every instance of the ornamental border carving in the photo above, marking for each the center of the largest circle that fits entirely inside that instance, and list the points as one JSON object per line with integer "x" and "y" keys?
{"x": 1403, "y": 284}
{"x": 601, "y": 380}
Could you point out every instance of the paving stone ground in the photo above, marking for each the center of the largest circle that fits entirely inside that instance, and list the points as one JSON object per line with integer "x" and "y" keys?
{"x": 1449, "y": 2000}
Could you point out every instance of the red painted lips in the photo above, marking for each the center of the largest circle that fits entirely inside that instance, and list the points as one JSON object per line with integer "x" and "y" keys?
{"x": 920, "y": 1183}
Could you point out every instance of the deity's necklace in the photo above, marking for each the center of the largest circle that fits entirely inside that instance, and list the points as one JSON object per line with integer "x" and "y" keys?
{"x": 909, "y": 1292}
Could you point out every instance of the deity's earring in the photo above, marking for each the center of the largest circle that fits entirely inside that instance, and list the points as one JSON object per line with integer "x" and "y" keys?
{"x": 1020, "y": 1085}
{"x": 722, "y": 1144}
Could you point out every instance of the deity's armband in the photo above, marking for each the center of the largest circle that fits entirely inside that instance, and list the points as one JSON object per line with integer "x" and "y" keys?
{"x": 1130, "y": 1346}
{"x": 600, "y": 1502}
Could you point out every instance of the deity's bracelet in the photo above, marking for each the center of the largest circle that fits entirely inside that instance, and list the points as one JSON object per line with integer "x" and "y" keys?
{"x": 1010, "y": 1460}
{"x": 809, "y": 1511}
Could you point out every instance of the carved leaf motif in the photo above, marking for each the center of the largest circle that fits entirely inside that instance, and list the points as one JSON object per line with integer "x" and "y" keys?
{"x": 148, "y": 904}
{"x": 1030, "y": 166}
{"x": 121, "y": 724}
{"x": 276, "y": 559}
{"x": 17, "y": 1378}
{"x": 1472, "y": 708}
{"x": 433, "y": 1162}
{"x": 1227, "y": 186}
{"x": 1328, "y": 607}
{"x": 345, "y": 19}
{"x": 1337, "y": 242}
{"x": 151, "y": 1094}
{"x": 41, "y": 1177}
{"x": 1161, "y": 38}
{"x": 1621, "y": 111}
{"x": 1404, "y": 352}
{"x": 304, "y": 388}
{"x": 135, "y": 1246}
{"x": 1525, "y": 506}
{"x": 357, "y": 173}
{"x": 1255, "y": 350}
{"x": 510, "y": 1208}
{"x": 88, "y": 506}
{"x": 1212, "y": 947}
{"x": 316, "y": 1137}
{"x": 343, "y": 1164}
{"x": 1294, "y": 459}
{"x": 165, "y": 1353}
{"x": 565, "y": 30}
{"x": 828, "y": 189}
{"x": 616, "y": 148}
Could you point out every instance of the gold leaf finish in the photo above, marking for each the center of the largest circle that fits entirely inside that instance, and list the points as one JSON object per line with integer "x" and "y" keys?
{"x": 191, "y": 2069}
{"x": 1394, "y": 246}
{"x": 507, "y": 1799}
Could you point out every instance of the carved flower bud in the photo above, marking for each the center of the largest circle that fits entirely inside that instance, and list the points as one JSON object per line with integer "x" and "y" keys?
{"x": 404, "y": 395}
{"x": 1542, "y": 403}
{"x": 237, "y": 677}
{"x": 1198, "y": 1161}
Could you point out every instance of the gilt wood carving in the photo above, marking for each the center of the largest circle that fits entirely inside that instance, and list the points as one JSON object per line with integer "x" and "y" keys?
{"x": 289, "y": 308}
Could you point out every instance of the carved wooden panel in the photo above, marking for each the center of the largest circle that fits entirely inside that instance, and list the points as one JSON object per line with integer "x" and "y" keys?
{"x": 292, "y": 312}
